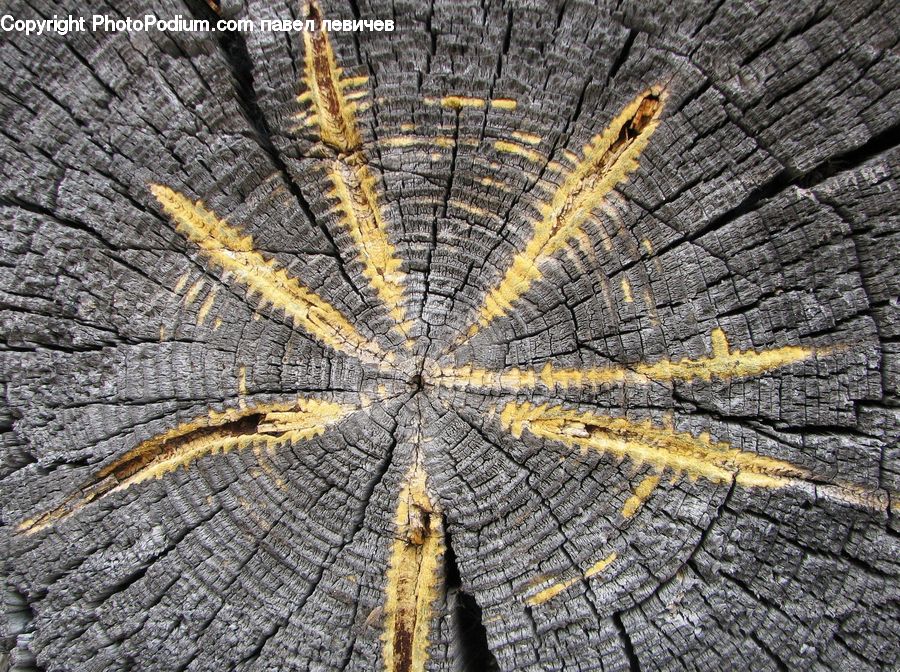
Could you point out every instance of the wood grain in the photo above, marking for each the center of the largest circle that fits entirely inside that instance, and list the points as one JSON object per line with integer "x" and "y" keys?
{"x": 250, "y": 276}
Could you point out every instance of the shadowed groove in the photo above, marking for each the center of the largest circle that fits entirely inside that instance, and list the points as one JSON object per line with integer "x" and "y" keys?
{"x": 473, "y": 653}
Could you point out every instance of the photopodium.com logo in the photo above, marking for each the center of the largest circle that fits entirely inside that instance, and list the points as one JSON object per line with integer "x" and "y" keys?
{"x": 63, "y": 25}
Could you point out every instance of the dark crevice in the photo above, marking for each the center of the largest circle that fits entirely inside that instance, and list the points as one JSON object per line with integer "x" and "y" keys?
{"x": 432, "y": 44}
{"x": 472, "y": 653}
{"x": 633, "y": 662}
{"x": 559, "y": 15}
{"x": 111, "y": 477}
{"x": 876, "y": 145}
{"x": 623, "y": 55}
{"x": 789, "y": 177}
{"x": 449, "y": 188}
{"x": 507, "y": 39}
{"x": 19, "y": 620}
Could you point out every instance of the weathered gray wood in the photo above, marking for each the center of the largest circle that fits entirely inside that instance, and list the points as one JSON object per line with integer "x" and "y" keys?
{"x": 764, "y": 205}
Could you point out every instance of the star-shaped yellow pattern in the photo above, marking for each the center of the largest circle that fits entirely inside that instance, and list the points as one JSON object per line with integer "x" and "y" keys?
{"x": 330, "y": 104}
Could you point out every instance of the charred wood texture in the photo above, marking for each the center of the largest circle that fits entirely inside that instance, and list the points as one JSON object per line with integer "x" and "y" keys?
{"x": 526, "y": 336}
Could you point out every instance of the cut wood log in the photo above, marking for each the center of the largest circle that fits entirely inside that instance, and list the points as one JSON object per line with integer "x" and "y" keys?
{"x": 524, "y": 336}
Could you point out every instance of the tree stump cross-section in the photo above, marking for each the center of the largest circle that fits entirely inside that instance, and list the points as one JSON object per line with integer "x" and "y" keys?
{"x": 523, "y": 337}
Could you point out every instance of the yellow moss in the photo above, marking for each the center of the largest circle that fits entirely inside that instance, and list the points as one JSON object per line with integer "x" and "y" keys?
{"x": 333, "y": 113}
{"x": 552, "y": 591}
{"x": 354, "y": 187}
{"x": 242, "y": 380}
{"x": 645, "y": 443}
{"x": 722, "y": 363}
{"x": 626, "y": 290}
{"x": 503, "y": 104}
{"x": 493, "y": 183}
{"x": 459, "y": 102}
{"x": 404, "y": 141}
{"x": 683, "y": 453}
{"x": 418, "y": 140}
{"x": 555, "y": 589}
{"x": 456, "y": 102}
{"x": 206, "y": 305}
{"x": 182, "y": 281}
{"x": 192, "y": 293}
{"x": 600, "y": 565}
{"x": 527, "y": 138}
{"x": 518, "y": 150}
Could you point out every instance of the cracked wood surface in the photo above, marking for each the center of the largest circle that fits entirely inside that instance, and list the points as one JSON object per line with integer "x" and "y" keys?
{"x": 530, "y": 336}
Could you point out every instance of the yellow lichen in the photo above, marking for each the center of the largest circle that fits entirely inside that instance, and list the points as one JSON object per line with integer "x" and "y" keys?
{"x": 518, "y": 150}
{"x": 664, "y": 448}
{"x": 641, "y": 493}
{"x": 354, "y": 187}
{"x": 557, "y": 587}
{"x": 333, "y": 112}
{"x": 645, "y": 443}
{"x": 723, "y": 363}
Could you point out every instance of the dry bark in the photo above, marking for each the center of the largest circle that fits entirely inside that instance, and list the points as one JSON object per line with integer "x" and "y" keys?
{"x": 566, "y": 336}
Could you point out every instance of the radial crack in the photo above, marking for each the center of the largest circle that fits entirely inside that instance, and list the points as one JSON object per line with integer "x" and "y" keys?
{"x": 332, "y": 113}
{"x": 723, "y": 363}
{"x": 265, "y": 425}
{"x": 413, "y": 582}
{"x": 665, "y": 448}
{"x": 608, "y": 160}
{"x": 332, "y": 103}
{"x": 227, "y": 247}
{"x": 354, "y": 189}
